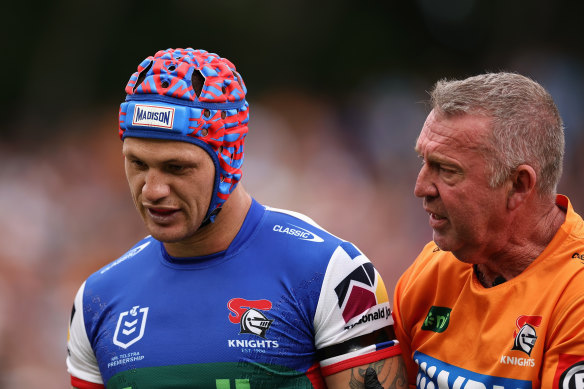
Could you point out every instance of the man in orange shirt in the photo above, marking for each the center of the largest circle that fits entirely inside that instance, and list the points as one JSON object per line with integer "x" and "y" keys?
{"x": 496, "y": 300}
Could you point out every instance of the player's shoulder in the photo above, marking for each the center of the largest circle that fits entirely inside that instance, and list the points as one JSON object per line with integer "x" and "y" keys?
{"x": 307, "y": 239}
{"x": 142, "y": 250}
{"x": 296, "y": 224}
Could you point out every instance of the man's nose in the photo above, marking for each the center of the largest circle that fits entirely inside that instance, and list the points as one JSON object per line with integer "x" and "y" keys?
{"x": 155, "y": 187}
{"x": 425, "y": 186}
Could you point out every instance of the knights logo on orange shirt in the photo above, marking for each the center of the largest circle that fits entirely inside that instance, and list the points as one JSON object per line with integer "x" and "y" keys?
{"x": 526, "y": 337}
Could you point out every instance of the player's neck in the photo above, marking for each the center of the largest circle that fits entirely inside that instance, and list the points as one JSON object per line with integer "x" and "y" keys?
{"x": 217, "y": 236}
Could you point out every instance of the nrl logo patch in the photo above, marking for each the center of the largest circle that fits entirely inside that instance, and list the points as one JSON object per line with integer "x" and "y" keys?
{"x": 153, "y": 116}
{"x": 131, "y": 325}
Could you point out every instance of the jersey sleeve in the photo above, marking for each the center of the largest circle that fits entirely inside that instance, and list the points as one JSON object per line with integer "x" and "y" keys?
{"x": 563, "y": 365}
{"x": 81, "y": 361}
{"x": 353, "y": 322}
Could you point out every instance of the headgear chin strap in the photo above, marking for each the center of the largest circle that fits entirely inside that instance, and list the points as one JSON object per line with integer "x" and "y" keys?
{"x": 191, "y": 96}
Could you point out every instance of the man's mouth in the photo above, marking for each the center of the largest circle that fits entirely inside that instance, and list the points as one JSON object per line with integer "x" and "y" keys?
{"x": 161, "y": 211}
{"x": 161, "y": 215}
{"x": 437, "y": 221}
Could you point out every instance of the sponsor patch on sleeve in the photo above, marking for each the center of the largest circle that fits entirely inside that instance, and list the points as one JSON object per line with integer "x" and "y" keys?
{"x": 570, "y": 372}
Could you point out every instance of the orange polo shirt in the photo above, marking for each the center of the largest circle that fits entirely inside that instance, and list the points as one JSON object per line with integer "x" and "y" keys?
{"x": 527, "y": 332}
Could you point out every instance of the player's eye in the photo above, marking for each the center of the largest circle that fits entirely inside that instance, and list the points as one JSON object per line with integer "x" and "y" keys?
{"x": 175, "y": 168}
{"x": 137, "y": 164}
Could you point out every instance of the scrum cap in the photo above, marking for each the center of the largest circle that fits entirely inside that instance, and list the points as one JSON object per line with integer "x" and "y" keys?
{"x": 191, "y": 96}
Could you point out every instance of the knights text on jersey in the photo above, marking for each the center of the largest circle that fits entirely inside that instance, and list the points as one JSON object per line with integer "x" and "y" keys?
{"x": 285, "y": 305}
{"x": 527, "y": 332}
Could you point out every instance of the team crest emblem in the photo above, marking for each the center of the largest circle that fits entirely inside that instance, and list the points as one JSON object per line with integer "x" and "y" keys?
{"x": 248, "y": 314}
{"x": 131, "y": 325}
{"x": 526, "y": 337}
{"x": 255, "y": 322}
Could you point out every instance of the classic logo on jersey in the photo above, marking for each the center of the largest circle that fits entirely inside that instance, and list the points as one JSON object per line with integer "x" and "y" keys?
{"x": 359, "y": 291}
{"x": 299, "y": 232}
{"x": 437, "y": 319}
{"x": 433, "y": 373}
{"x": 128, "y": 255}
{"x": 526, "y": 337}
{"x": 153, "y": 116}
{"x": 130, "y": 327}
{"x": 570, "y": 372}
{"x": 252, "y": 320}
{"x": 579, "y": 256}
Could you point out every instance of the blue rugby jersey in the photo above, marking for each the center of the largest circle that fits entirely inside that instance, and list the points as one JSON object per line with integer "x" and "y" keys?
{"x": 285, "y": 305}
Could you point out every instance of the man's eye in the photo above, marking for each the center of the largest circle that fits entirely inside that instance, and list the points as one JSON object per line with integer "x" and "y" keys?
{"x": 175, "y": 168}
{"x": 138, "y": 164}
{"x": 448, "y": 171}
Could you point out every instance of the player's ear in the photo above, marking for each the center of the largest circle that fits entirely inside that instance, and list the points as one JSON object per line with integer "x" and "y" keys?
{"x": 522, "y": 182}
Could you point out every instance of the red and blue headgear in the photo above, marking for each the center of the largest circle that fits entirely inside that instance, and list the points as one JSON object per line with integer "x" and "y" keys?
{"x": 191, "y": 96}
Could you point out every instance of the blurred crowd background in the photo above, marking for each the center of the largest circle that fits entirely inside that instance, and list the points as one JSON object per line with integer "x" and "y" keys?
{"x": 337, "y": 93}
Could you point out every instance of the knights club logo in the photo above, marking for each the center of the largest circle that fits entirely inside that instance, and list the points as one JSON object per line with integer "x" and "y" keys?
{"x": 526, "y": 336}
{"x": 130, "y": 327}
{"x": 249, "y": 315}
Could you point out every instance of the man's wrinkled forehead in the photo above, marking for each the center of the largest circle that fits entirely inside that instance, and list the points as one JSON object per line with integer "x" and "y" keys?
{"x": 460, "y": 131}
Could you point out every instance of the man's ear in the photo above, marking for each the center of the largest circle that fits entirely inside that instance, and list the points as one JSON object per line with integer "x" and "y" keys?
{"x": 523, "y": 182}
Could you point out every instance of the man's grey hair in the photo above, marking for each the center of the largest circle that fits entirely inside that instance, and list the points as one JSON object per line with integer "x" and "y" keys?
{"x": 525, "y": 122}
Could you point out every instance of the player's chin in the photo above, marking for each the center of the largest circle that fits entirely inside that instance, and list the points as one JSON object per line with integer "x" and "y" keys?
{"x": 169, "y": 239}
{"x": 167, "y": 234}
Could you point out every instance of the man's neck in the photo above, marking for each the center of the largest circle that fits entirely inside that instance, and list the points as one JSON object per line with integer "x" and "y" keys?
{"x": 519, "y": 253}
{"x": 217, "y": 236}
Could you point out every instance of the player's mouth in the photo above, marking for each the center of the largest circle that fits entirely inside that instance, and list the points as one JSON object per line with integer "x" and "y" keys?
{"x": 162, "y": 215}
